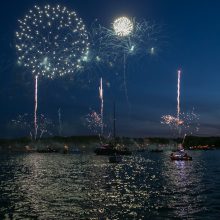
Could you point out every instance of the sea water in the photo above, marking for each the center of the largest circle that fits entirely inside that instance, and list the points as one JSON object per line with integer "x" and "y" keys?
{"x": 143, "y": 186}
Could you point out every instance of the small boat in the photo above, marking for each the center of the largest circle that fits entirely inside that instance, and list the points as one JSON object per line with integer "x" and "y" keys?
{"x": 180, "y": 155}
{"x": 115, "y": 159}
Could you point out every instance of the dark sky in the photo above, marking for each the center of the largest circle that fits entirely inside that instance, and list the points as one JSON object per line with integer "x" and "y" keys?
{"x": 191, "y": 30}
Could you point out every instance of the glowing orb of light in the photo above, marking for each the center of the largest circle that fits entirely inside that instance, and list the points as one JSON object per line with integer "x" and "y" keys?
{"x": 51, "y": 41}
{"x": 152, "y": 50}
{"x": 123, "y": 26}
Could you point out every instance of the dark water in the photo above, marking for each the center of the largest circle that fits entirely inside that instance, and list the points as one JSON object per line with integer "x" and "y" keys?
{"x": 143, "y": 186}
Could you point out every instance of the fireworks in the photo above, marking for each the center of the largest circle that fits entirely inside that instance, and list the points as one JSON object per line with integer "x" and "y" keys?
{"x": 191, "y": 122}
{"x": 94, "y": 121}
{"x": 178, "y": 94}
{"x": 109, "y": 47}
{"x": 171, "y": 120}
{"x": 108, "y": 51}
{"x": 187, "y": 122}
{"x": 51, "y": 41}
{"x": 102, "y": 104}
{"x": 123, "y": 26}
{"x": 114, "y": 46}
{"x": 35, "y": 106}
{"x": 45, "y": 125}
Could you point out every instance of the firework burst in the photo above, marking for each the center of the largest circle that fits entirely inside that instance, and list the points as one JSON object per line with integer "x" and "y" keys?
{"x": 187, "y": 122}
{"x": 109, "y": 48}
{"x": 94, "y": 122}
{"x": 123, "y": 26}
{"x": 51, "y": 41}
{"x": 45, "y": 125}
{"x": 139, "y": 39}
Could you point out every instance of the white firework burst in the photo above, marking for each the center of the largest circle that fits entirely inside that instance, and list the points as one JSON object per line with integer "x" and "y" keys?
{"x": 51, "y": 41}
{"x": 123, "y": 26}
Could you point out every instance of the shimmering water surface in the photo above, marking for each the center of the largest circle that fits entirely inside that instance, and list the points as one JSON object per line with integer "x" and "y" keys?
{"x": 144, "y": 186}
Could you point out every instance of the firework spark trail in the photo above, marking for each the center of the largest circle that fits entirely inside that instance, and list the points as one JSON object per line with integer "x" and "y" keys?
{"x": 178, "y": 100}
{"x": 178, "y": 94}
{"x": 102, "y": 104}
{"x": 35, "y": 107}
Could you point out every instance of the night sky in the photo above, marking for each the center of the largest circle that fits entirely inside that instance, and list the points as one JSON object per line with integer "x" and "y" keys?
{"x": 190, "y": 33}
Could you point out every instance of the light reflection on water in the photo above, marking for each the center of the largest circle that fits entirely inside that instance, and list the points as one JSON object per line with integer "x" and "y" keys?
{"x": 143, "y": 186}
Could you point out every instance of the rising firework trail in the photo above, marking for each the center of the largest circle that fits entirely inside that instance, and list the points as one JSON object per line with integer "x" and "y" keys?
{"x": 178, "y": 100}
{"x": 35, "y": 107}
{"x": 178, "y": 94}
{"x": 102, "y": 103}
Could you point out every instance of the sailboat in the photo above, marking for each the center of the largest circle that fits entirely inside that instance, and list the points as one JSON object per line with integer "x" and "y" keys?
{"x": 112, "y": 148}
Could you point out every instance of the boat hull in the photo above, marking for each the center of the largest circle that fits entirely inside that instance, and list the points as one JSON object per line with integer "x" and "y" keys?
{"x": 181, "y": 158}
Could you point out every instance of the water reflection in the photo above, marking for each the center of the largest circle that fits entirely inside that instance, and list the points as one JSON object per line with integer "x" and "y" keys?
{"x": 184, "y": 181}
{"x": 55, "y": 186}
